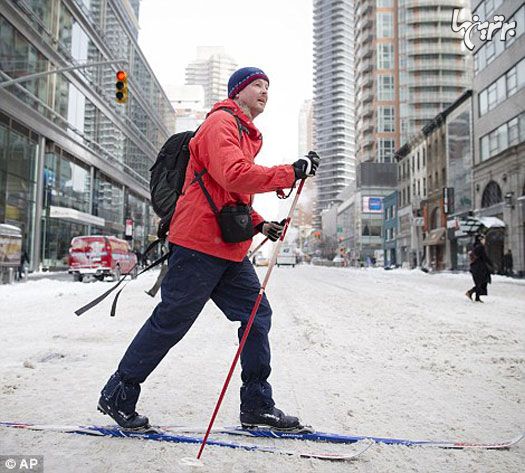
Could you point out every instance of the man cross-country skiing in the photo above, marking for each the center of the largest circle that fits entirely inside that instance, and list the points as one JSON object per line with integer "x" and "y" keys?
{"x": 203, "y": 266}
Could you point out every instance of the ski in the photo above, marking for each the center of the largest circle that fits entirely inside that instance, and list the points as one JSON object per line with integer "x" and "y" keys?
{"x": 327, "y": 437}
{"x": 159, "y": 435}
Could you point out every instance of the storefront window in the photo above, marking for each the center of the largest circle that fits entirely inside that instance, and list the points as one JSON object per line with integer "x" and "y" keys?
{"x": 67, "y": 183}
{"x": 18, "y": 150}
{"x": 57, "y": 235}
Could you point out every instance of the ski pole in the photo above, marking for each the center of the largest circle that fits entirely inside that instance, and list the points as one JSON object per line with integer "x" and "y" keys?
{"x": 258, "y": 247}
{"x": 251, "y": 318}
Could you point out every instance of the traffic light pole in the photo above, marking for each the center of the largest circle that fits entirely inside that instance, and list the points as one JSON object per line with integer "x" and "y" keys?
{"x": 61, "y": 69}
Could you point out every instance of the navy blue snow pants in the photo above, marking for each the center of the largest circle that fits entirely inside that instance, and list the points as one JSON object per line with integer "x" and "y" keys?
{"x": 191, "y": 280}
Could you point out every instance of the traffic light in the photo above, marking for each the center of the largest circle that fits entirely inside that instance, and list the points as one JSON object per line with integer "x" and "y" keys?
{"x": 121, "y": 87}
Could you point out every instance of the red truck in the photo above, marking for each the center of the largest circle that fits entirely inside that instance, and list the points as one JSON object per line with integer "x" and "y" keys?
{"x": 101, "y": 256}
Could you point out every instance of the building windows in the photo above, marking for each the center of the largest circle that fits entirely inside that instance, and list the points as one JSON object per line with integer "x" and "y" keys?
{"x": 18, "y": 154}
{"x": 504, "y": 87}
{"x": 19, "y": 58}
{"x": 492, "y": 49}
{"x": 67, "y": 182}
{"x": 519, "y": 18}
{"x": 385, "y": 87}
{"x": 486, "y": 8}
{"x": 370, "y": 228}
{"x": 385, "y": 56}
{"x": 385, "y": 119}
{"x": 508, "y": 134}
{"x": 513, "y": 131}
{"x": 385, "y": 25}
{"x": 385, "y": 151}
{"x": 512, "y": 80}
{"x": 491, "y": 195}
{"x": 108, "y": 201}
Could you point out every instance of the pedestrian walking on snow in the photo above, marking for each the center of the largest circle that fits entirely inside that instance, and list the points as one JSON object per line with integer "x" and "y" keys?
{"x": 208, "y": 255}
{"x": 481, "y": 268}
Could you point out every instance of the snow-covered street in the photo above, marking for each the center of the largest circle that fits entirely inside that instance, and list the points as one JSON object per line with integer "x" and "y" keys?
{"x": 361, "y": 351}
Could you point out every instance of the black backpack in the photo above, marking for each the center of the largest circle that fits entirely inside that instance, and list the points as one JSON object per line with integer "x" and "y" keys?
{"x": 167, "y": 177}
{"x": 168, "y": 174}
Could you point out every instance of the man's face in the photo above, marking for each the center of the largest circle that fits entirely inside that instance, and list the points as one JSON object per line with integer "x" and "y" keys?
{"x": 254, "y": 96}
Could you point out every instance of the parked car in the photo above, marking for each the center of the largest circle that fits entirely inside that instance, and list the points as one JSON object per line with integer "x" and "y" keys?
{"x": 338, "y": 260}
{"x": 101, "y": 256}
{"x": 261, "y": 260}
{"x": 286, "y": 257}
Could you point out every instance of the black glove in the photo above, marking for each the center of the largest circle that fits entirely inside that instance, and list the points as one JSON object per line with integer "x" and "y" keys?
{"x": 307, "y": 166}
{"x": 273, "y": 230}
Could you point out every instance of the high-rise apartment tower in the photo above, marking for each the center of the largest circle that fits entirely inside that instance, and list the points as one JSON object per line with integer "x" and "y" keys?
{"x": 333, "y": 99}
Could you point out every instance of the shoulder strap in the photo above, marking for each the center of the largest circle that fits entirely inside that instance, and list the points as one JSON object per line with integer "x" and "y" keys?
{"x": 198, "y": 178}
{"x": 198, "y": 175}
{"x": 240, "y": 126}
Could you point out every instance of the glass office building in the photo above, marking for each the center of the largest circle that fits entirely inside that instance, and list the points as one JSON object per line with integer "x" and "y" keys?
{"x": 72, "y": 160}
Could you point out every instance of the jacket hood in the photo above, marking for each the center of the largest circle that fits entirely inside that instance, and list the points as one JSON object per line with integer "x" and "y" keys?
{"x": 234, "y": 107}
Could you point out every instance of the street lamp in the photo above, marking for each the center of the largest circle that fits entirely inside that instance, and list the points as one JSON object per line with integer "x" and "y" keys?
{"x": 509, "y": 200}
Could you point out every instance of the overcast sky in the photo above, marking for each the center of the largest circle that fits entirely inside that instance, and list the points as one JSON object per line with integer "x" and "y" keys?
{"x": 274, "y": 35}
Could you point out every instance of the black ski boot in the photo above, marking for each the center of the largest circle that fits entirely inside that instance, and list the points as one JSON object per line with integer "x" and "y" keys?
{"x": 118, "y": 400}
{"x": 271, "y": 418}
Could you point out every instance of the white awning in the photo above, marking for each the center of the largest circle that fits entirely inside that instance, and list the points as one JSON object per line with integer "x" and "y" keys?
{"x": 472, "y": 225}
{"x": 492, "y": 222}
{"x": 75, "y": 216}
{"x": 10, "y": 230}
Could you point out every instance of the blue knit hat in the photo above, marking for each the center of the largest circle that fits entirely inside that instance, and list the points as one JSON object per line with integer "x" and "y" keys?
{"x": 242, "y": 77}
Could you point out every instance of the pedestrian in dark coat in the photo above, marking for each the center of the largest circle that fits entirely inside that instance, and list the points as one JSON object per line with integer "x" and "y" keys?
{"x": 481, "y": 268}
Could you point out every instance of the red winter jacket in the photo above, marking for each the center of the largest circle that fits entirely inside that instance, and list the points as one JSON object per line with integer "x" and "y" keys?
{"x": 232, "y": 178}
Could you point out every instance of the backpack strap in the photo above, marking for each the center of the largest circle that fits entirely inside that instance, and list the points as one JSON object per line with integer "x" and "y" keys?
{"x": 100, "y": 298}
{"x": 240, "y": 126}
{"x": 198, "y": 175}
{"x": 198, "y": 178}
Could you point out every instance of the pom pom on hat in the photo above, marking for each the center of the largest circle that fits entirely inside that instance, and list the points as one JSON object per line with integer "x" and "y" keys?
{"x": 242, "y": 77}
